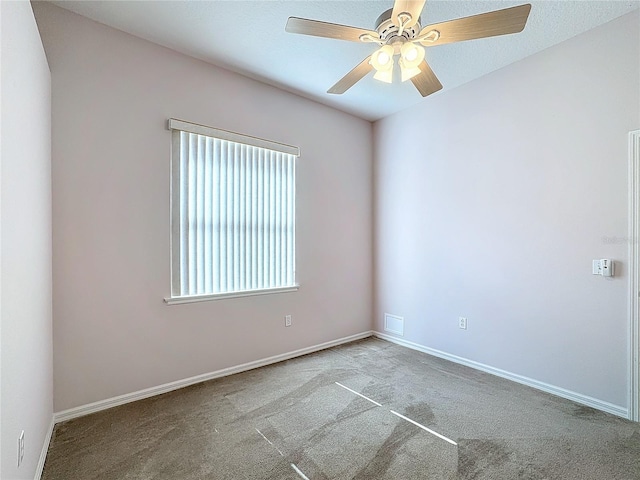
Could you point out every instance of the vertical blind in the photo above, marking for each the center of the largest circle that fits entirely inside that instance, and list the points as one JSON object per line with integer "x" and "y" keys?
{"x": 233, "y": 214}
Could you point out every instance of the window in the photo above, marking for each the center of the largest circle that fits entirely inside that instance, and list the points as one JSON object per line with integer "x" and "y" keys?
{"x": 232, "y": 214}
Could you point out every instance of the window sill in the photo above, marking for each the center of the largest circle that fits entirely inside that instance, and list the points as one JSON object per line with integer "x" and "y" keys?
{"x": 222, "y": 296}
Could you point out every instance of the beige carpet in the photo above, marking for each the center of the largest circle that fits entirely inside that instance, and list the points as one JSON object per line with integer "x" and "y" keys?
{"x": 293, "y": 421}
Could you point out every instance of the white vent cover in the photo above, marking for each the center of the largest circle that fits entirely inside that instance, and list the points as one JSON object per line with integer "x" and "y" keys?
{"x": 393, "y": 324}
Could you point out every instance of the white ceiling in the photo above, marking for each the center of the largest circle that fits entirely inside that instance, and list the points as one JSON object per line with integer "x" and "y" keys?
{"x": 248, "y": 37}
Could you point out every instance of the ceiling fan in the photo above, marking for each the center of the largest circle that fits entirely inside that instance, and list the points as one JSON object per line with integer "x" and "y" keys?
{"x": 398, "y": 32}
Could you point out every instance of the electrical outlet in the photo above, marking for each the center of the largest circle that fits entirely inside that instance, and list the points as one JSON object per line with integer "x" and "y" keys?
{"x": 287, "y": 320}
{"x": 462, "y": 322}
{"x": 21, "y": 448}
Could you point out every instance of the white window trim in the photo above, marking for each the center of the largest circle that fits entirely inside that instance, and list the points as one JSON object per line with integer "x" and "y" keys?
{"x": 175, "y": 124}
{"x": 221, "y": 296}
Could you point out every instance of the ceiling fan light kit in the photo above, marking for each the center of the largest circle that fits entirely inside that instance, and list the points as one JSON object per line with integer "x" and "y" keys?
{"x": 398, "y": 32}
{"x": 382, "y": 61}
{"x": 411, "y": 56}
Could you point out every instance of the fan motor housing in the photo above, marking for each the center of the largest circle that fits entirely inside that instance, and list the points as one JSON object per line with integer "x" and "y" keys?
{"x": 389, "y": 32}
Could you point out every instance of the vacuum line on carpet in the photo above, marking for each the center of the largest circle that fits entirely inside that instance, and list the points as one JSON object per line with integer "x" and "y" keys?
{"x": 359, "y": 394}
{"x": 299, "y": 472}
{"x": 270, "y": 443}
{"x": 262, "y": 435}
{"x": 424, "y": 428}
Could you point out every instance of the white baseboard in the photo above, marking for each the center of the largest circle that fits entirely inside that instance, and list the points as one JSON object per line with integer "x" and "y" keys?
{"x": 168, "y": 387}
{"x": 45, "y": 449}
{"x": 545, "y": 387}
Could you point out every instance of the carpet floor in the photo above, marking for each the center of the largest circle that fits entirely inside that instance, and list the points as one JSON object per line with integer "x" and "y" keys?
{"x": 366, "y": 410}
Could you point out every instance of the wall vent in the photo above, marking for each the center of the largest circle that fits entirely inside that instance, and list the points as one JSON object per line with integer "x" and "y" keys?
{"x": 393, "y": 324}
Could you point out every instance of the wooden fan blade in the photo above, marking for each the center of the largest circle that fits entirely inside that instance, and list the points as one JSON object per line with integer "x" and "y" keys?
{"x": 491, "y": 24}
{"x": 351, "y": 78}
{"x": 413, "y": 7}
{"x": 316, "y": 28}
{"x": 426, "y": 82}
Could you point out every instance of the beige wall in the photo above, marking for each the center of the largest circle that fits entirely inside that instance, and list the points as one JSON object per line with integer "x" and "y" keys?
{"x": 511, "y": 185}
{"x": 112, "y": 95}
{"x": 26, "y": 391}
